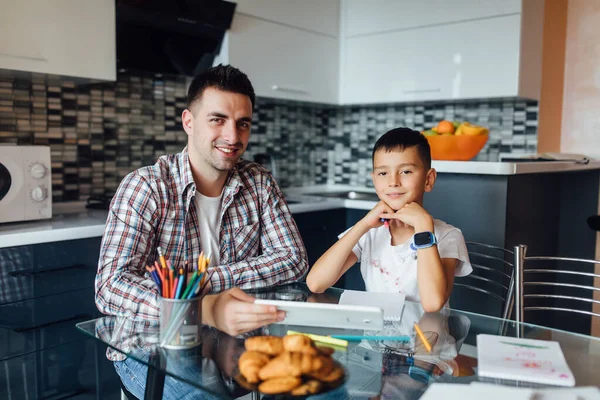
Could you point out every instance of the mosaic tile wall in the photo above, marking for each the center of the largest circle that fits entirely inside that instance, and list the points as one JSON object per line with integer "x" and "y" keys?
{"x": 100, "y": 132}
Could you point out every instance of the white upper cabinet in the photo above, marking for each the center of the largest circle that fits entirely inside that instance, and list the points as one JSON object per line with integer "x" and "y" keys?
{"x": 61, "y": 37}
{"x": 320, "y": 16}
{"x": 484, "y": 57}
{"x": 282, "y": 61}
{"x": 366, "y": 17}
{"x": 428, "y": 64}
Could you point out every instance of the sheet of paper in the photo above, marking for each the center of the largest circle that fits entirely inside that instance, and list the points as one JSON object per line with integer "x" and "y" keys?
{"x": 391, "y": 303}
{"x": 527, "y": 360}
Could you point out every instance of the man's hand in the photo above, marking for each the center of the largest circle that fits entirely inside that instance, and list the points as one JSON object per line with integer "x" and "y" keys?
{"x": 414, "y": 215}
{"x": 373, "y": 218}
{"x": 234, "y": 312}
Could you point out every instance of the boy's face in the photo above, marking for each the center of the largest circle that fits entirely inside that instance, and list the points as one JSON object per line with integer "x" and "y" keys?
{"x": 400, "y": 177}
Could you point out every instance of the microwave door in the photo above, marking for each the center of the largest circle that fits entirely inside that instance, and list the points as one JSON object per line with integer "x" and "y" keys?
{"x": 5, "y": 181}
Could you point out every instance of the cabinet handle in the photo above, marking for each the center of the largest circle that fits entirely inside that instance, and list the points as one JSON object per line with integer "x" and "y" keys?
{"x": 288, "y": 89}
{"x": 47, "y": 324}
{"x": 34, "y": 272}
{"x": 24, "y": 57}
{"x": 423, "y": 91}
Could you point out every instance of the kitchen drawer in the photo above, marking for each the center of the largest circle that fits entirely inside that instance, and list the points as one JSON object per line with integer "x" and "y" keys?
{"x": 66, "y": 371}
{"x": 27, "y": 272}
{"x": 44, "y": 322}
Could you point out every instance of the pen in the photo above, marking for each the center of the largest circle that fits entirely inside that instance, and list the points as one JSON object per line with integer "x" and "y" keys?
{"x": 423, "y": 338}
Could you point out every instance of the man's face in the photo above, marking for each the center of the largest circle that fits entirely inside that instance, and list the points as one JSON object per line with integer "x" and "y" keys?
{"x": 218, "y": 127}
{"x": 400, "y": 177}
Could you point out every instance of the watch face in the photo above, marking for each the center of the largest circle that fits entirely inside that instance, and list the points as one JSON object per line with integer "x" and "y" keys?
{"x": 423, "y": 238}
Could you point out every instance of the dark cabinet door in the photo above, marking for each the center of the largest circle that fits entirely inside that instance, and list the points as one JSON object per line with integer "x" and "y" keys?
{"x": 353, "y": 279}
{"x": 319, "y": 230}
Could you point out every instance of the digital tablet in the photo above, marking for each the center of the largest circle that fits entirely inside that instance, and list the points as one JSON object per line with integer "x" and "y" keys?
{"x": 328, "y": 315}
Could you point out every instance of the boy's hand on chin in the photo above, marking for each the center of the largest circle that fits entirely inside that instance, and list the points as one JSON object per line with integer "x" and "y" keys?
{"x": 373, "y": 218}
{"x": 414, "y": 215}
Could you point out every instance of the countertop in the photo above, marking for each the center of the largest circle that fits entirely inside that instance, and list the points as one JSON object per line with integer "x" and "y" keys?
{"x": 511, "y": 168}
{"x": 74, "y": 221}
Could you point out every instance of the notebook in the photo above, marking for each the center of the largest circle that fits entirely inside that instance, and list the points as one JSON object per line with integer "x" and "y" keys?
{"x": 528, "y": 360}
{"x": 391, "y": 303}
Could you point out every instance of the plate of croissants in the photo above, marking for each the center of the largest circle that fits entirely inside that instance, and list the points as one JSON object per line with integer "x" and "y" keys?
{"x": 289, "y": 366}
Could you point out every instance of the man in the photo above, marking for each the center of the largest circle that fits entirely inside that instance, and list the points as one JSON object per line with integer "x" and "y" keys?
{"x": 202, "y": 199}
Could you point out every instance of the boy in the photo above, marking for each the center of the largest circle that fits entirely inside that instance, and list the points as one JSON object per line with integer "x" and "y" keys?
{"x": 411, "y": 252}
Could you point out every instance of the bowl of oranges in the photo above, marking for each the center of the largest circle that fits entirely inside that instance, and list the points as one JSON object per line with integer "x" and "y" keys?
{"x": 456, "y": 141}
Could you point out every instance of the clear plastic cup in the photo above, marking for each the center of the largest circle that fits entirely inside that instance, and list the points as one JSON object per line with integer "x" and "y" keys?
{"x": 180, "y": 323}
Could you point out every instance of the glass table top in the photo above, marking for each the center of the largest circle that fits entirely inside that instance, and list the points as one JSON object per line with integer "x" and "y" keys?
{"x": 374, "y": 369}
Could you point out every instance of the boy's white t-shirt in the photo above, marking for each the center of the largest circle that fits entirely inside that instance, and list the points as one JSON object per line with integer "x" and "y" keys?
{"x": 387, "y": 268}
{"x": 208, "y": 210}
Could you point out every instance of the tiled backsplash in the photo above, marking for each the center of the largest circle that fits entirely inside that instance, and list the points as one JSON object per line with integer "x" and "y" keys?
{"x": 100, "y": 132}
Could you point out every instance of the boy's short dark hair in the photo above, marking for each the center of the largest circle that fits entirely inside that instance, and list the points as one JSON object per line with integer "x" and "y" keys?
{"x": 403, "y": 138}
{"x": 222, "y": 77}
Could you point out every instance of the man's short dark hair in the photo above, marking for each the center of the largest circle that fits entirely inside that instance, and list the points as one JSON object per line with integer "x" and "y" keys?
{"x": 399, "y": 139}
{"x": 222, "y": 77}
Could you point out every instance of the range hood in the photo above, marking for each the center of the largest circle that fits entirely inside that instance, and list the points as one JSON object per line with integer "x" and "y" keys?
{"x": 171, "y": 37}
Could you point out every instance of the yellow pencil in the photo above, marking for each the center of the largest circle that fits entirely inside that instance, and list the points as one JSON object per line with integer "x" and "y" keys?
{"x": 161, "y": 257}
{"x": 322, "y": 339}
{"x": 423, "y": 338}
{"x": 204, "y": 265}
{"x": 200, "y": 258}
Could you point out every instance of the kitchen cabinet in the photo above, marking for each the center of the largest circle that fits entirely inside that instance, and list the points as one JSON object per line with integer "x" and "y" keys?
{"x": 320, "y": 230}
{"x": 59, "y": 37}
{"x": 282, "y": 61}
{"x": 45, "y": 289}
{"x": 485, "y": 57}
{"x": 368, "y": 17}
{"x": 321, "y": 16}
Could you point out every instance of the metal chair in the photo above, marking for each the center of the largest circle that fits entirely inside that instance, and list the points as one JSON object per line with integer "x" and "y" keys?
{"x": 492, "y": 279}
{"x": 557, "y": 288}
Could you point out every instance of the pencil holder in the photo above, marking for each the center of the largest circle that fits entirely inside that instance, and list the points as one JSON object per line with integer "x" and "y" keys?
{"x": 180, "y": 322}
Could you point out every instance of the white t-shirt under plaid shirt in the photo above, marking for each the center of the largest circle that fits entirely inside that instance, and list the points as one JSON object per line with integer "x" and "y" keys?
{"x": 387, "y": 268}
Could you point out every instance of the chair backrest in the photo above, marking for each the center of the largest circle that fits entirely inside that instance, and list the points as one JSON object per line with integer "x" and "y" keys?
{"x": 561, "y": 285}
{"x": 489, "y": 289}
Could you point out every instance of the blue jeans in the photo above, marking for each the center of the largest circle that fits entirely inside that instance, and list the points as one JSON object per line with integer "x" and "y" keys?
{"x": 133, "y": 374}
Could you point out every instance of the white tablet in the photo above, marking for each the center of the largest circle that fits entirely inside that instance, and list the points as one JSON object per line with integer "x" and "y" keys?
{"x": 328, "y": 315}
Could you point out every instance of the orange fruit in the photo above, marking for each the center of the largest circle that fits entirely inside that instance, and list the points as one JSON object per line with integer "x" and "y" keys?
{"x": 445, "y": 127}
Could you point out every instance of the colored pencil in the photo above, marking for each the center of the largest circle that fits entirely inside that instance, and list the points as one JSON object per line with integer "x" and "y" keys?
{"x": 423, "y": 338}
{"x": 179, "y": 284}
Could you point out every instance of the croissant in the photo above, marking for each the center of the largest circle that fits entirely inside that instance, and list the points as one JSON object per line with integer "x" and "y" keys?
{"x": 271, "y": 345}
{"x": 290, "y": 364}
{"x": 300, "y": 344}
{"x": 279, "y": 385}
{"x": 250, "y": 363}
{"x": 310, "y": 387}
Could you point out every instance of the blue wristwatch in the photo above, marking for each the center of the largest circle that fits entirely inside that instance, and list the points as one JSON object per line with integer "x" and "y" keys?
{"x": 423, "y": 240}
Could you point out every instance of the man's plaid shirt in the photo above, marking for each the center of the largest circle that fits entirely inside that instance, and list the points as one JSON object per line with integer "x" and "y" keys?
{"x": 154, "y": 206}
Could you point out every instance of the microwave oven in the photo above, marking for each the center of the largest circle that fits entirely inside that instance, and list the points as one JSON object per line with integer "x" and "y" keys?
{"x": 25, "y": 183}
